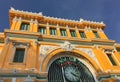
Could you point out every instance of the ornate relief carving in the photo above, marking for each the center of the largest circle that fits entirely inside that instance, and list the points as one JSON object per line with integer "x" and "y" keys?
{"x": 45, "y": 48}
{"x": 87, "y": 51}
{"x": 90, "y": 53}
{"x": 67, "y": 46}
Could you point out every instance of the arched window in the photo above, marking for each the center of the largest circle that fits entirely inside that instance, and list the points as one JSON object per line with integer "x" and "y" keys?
{"x": 69, "y": 69}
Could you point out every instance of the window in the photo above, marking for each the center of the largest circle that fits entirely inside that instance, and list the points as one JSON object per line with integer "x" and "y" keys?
{"x": 19, "y": 55}
{"x": 72, "y": 32}
{"x": 53, "y": 31}
{"x": 96, "y": 34}
{"x": 109, "y": 55}
{"x": 63, "y": 32}
{"x": 82, "y": 34}
{"x": 25, "y": 26}
{"x": 42, "y": 30}
{"x": 118, "y": 49}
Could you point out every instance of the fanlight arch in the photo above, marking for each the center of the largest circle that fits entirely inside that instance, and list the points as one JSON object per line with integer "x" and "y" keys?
{"x": 69, "y": 69}
{"x": 50, "y": 57}
{"x": 50, "y": 65}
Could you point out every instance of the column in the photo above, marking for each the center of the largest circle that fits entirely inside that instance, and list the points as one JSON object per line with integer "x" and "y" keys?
{"x": 68, "y": 31}
{"x": 31, "y": 25}
{"x": 47, "y": 29}
{"x": 102, "y": 34}
{"x": 58, "y": 30}
{"x": 77, "y": 32}
{"x": 35, "y": 26}
{"x": 89, "y": 33}
{"x": 18, "y": 24}
{"x": 14, "y": 21}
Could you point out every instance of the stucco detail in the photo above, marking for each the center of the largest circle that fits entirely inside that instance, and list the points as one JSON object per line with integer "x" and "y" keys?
{"x": 90, "y": 53}
{"x": 44, "y": 49}
{"x": 67, "y": 46}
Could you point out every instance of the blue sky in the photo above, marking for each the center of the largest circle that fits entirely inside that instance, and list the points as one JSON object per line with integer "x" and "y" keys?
{"x": 93, "y": 10}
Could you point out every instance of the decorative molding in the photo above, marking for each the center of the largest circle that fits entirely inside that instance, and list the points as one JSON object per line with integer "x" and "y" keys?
{"x": 109, "y": 50}
{"x": 35, "y": 43}
{"x": 28, "y": 79}
{"x": 67, "y": 26}
{"x": 46, "y": 48}
{"x": 67, "y": 46}
{"x": 31, "y": 21}
{"x": 90, "y": 53}
{"x": 19, "y": 45}
{"x": 12, "y": 9}
{"x": 36, "y": 21}
{"x": 47, "y": 25}
{"x": 7, "y": 40}
{"x": 86, "y": 29}
{"x": 20, "y": 19}
{"x": 108, "y": 76}
{"x": 14, "y": 71}
{"x": 15, "y": 19}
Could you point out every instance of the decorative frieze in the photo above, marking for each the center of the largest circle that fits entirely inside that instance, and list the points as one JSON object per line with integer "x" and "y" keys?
{"x": 67, "y": 46}
{"x": 44, "y": 49}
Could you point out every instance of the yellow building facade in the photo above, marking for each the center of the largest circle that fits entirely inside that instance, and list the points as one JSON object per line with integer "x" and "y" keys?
{"x": 38, "y": 48}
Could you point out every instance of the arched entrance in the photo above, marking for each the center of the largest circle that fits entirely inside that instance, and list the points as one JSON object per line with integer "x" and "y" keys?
{"x": 69, "y": 69}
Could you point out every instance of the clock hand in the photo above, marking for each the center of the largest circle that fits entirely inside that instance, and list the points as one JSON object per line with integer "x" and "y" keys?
{"x": 74, "y": 74}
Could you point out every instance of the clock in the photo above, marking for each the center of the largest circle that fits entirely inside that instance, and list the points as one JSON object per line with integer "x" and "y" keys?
{"x": 72, "y": 73}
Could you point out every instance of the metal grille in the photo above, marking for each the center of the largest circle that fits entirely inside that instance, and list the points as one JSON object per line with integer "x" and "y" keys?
{"x": 55, "y": 73}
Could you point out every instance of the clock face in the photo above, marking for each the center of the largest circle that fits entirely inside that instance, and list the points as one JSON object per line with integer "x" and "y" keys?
{"x": 72, "y": 73}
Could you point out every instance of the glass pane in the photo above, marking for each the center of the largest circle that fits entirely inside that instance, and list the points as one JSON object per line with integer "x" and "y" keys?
{"x": 52, "y": 31}
{"x": 82, "y": 34}
{"x": 63, "y": 32}
{"x": 19, "y": 55}
{"x": 118, "y": 49}
{"x": 24, "y": 26}
{"x": 96, "y": 34}
{"x": 42, "y": 30}
{"x": 111, "y": 59}
{"x": 72, "y": 32}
